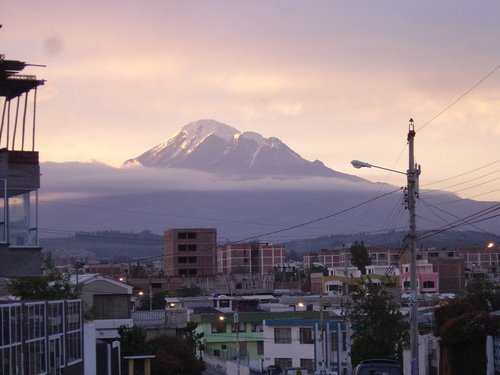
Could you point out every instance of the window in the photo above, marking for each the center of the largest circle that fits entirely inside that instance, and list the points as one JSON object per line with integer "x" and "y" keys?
{"x": 428, "y": 284}
{"x": 182, "y": 260}
{"x": 306, "y": 336}
{"x": 260, "y": 347}
{"x": 406, "y": 284}
{"x": 256, "y": 326}
{"x": 22, "y": 213}
{"x": 183, "y": 272}
{"x": 219, "y": 327}
{"x": 282, "y": 335}
{"x": 283, "y": 362}
{"x": 224, "y": 303}
{"x": 191, "y": 259}
{"x": 193, "y": 272}
{"x": 344, "y": 341}
{"x": 308, "y": 364}
{"x": 182, "y": 247}
{"x": 333, "y": 341}
{"x": 242, "y": 327}
{"x": 186, "y": 235}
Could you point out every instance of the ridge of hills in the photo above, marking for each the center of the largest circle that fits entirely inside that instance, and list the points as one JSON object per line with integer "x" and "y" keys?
{"x": 123, "y": 246}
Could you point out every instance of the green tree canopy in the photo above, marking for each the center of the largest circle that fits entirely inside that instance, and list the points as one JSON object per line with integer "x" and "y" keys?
{"x": 360, "y": 257}
{"x": 158, "y": 301}
{"x": 174, "y": 357}
{"x": 50, "y": 287}
{"x": 133, "y": 341}
{"x": 464, "y": 323}
{"x": 379, "y": 327}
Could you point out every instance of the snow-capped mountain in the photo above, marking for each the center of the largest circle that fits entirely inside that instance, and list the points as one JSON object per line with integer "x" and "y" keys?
{"x": 214, "y": 147}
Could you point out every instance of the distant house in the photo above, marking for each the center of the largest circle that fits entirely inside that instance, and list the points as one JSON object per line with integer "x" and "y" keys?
{"x": 105, "y": 301}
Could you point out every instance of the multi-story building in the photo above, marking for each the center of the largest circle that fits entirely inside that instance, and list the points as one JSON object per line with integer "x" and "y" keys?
{"x": 41, "y": 338}
{"x": 311, "y": 345}
{"x": 332, "y": 258}
{"x": 190, "y": 252}
{"x": 19, "y": 172}
{"x": 249, "y": 258}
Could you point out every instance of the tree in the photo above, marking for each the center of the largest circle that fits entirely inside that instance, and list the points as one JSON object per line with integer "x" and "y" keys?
{"x": 463, "y": 325}
{"x": 174, "y": 357}
{"x": 193, "y": 338}
{"x": 483, "y": 294}
{"x": 50, "y": 287}
{"x": 133, "y": 341}
{"x": 379, "y": 327}
{"x": 360, "y": 257}
{"x": 137, "y": 271}
{"x": 158, "y": 301}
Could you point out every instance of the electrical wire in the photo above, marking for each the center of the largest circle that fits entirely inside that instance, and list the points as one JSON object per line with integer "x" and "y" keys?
{"x": 460, "y": 97}
{"x": 319, "y": 219}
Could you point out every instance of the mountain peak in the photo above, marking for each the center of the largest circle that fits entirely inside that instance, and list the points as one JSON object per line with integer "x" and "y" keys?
{"x": 213, "y": 147}
{"x": 203, "y": 128}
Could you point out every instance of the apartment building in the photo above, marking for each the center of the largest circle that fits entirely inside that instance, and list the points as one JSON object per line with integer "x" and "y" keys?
{"x": 249, "y": 258}
{"x": 19, "y": 172}
{"x": 190, "y": 252}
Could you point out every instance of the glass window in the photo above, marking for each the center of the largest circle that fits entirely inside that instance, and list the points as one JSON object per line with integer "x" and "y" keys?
{"x": 260, "y": 347}
{"x": 306, "y": 336}
{"x": 283, "y": 335}
{"x": 333, "y": 340}
{"x": 23, "y": 219}
{"x": 308, "y": 364}
{"x": 219, "y": 327}
{"x": 242, "y": 327}
{"x": 256, "y": 326}
{"x": 283, "y": 362}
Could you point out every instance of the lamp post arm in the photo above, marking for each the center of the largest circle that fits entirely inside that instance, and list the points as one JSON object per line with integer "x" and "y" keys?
{"x": 361, "y": 164}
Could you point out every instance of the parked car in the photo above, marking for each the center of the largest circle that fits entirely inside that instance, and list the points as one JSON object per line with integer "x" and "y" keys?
{"x": 378, "y": 367}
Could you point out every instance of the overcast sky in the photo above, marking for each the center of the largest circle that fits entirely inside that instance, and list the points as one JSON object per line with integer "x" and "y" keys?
{"x": 334, "y": 80}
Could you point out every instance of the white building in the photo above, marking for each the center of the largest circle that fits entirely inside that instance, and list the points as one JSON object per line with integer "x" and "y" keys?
{"x": 300, "y": 343}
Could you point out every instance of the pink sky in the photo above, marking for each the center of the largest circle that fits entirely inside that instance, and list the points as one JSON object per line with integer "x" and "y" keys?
{"x": 334, "y": 80}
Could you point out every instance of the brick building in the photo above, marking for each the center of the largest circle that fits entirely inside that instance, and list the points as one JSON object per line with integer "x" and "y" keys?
{"x": 249, "y": 258}
{"x": 190, "y": 252}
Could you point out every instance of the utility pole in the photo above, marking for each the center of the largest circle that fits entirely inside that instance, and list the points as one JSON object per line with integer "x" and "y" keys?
{"x": 236, "y": 320}
{"x": 345, "y": 302}
{"x": 413, "y": 174}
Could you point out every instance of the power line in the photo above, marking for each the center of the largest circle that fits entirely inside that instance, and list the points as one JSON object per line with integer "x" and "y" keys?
{"x": 460, "y": 97}
{"x": 319, "y": 219}
{"x": 462, "y": 174}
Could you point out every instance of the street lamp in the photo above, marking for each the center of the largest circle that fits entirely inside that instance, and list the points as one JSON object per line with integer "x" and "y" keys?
{"x": 412, "y": 175}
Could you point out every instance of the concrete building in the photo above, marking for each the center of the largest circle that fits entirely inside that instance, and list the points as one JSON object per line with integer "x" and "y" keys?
{"x": 190, "y": 252}
{"x": 107, "y": 302}
{"x": 311, "y": 345}
{"x": 19, "y": 173}
{"x": 249, "y": 258}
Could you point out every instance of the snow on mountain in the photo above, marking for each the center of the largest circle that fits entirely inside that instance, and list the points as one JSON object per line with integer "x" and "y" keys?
{"x": 214, "y": 147}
